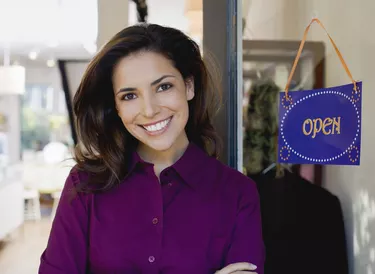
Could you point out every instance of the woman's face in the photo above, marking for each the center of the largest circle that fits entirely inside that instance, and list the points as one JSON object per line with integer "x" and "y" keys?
{"x": 151, "y": 98}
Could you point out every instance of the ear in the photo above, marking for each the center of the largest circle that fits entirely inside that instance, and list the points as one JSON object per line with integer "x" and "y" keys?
{"x": 190, "y": 88}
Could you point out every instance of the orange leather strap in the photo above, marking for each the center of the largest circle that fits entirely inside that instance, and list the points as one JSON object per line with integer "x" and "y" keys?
{"x": 300, "y": 51}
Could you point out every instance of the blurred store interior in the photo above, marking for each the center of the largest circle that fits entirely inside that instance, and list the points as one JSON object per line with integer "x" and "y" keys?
{"x": 45, "y": 46}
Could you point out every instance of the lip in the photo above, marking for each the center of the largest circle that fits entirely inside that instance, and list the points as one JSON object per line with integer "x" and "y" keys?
{"x": 151, "y": 124}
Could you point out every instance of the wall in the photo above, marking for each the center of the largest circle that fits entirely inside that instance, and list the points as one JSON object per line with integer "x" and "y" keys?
{"x": 350, "y": 25}
{"x": 10, "y": 107}
{"x": 272, "y": 19}
{"x": 112, "y": 17}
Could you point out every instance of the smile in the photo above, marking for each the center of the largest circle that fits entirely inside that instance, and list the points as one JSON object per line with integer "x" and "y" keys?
{"x": 157, "y": 127}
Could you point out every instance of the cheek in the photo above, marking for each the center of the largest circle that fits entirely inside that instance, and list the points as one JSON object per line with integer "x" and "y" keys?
{"x": 127, "y": 114}
{"x": 177, "y": 101}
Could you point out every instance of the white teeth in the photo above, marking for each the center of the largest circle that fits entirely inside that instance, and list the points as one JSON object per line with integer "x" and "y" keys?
{"x": 158, "y": 126}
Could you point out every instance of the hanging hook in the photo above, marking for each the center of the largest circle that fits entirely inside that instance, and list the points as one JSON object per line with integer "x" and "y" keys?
{"x": 314, "y": 15}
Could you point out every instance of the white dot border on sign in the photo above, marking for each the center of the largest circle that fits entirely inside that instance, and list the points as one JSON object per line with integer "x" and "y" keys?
{"x": 321, "y": 160}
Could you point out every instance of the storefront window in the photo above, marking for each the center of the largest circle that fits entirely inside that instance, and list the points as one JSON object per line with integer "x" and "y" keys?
{"x": 272, "y": 32}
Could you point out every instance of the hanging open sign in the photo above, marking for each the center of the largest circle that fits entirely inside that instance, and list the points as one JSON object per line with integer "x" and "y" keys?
{"x": 321, "y": 126}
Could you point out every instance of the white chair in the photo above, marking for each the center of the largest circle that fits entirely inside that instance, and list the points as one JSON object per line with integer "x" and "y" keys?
{"x": 32, "y": 205}
{"x": 56, "y": 198}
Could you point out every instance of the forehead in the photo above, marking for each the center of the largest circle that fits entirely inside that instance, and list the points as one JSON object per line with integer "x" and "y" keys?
{"x": 142, "y": 68}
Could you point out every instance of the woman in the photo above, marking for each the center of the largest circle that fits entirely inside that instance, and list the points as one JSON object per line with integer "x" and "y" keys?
{"x": 147, "y": 194}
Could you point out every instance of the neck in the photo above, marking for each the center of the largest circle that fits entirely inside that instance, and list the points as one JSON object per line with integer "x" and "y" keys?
{"x": 165, "y": 158}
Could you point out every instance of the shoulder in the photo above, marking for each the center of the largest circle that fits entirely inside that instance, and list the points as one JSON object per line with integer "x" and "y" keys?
{"x": 312, "y": 191}
{"x": 73, "y": 183}
{"x": 76, "y": 176}
{"x": 232, "y": 180}
{"x": 235, "y": 191}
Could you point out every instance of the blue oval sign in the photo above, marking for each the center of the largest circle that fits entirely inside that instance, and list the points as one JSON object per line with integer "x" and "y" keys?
{"x": 321, "y": 126}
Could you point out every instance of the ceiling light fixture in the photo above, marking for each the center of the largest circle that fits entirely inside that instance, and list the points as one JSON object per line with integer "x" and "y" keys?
{"x": 51, "y": 63}
{"x": 33, "y": 55}
{"x": 12, "y": 78}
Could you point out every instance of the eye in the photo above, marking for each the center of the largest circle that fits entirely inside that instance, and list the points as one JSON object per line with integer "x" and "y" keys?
{"x": 129, "y": 96}
{"x": 164, "y": 87}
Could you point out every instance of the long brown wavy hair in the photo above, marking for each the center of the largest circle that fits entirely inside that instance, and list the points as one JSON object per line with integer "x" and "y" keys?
{"x": 104, "y": 145}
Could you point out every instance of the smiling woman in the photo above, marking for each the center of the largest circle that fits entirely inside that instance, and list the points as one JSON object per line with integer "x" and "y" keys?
{"x": 148, "y": 194}
{"x": 145, "y": 75}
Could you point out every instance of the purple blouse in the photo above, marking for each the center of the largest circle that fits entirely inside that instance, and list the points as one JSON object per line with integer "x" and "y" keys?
{"x": 201, "y": 217}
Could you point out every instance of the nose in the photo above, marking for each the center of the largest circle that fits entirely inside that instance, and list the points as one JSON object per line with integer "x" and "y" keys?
{"x": 150, "y": 106}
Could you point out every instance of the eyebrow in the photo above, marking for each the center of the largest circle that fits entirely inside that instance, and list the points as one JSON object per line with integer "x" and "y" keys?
{"x": 157, "y": 81}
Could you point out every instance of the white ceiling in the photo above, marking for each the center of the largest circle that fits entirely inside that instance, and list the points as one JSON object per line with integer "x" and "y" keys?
{"x": 55, "y": 29}
{"x": 37, "y": 25}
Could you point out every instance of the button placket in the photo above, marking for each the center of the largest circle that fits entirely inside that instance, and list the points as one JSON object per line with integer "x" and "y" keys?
{"x": 167, "y": 179}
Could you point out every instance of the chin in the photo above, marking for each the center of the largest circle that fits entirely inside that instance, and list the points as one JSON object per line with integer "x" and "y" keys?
{"x": 162, "y": 145}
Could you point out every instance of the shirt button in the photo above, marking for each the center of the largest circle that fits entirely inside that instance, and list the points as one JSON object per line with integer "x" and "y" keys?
{"x": 151, "y": 259}
{"x": 155, "y": 221}
{"x": 170, "y": 184}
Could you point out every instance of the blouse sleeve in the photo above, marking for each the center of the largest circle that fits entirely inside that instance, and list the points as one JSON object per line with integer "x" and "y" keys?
{"x": 66, "y": 251}
{"x": 247, "y": 240}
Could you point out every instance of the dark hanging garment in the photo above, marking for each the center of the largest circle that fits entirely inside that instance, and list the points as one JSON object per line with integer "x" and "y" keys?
{"x": 303, "y": 226}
